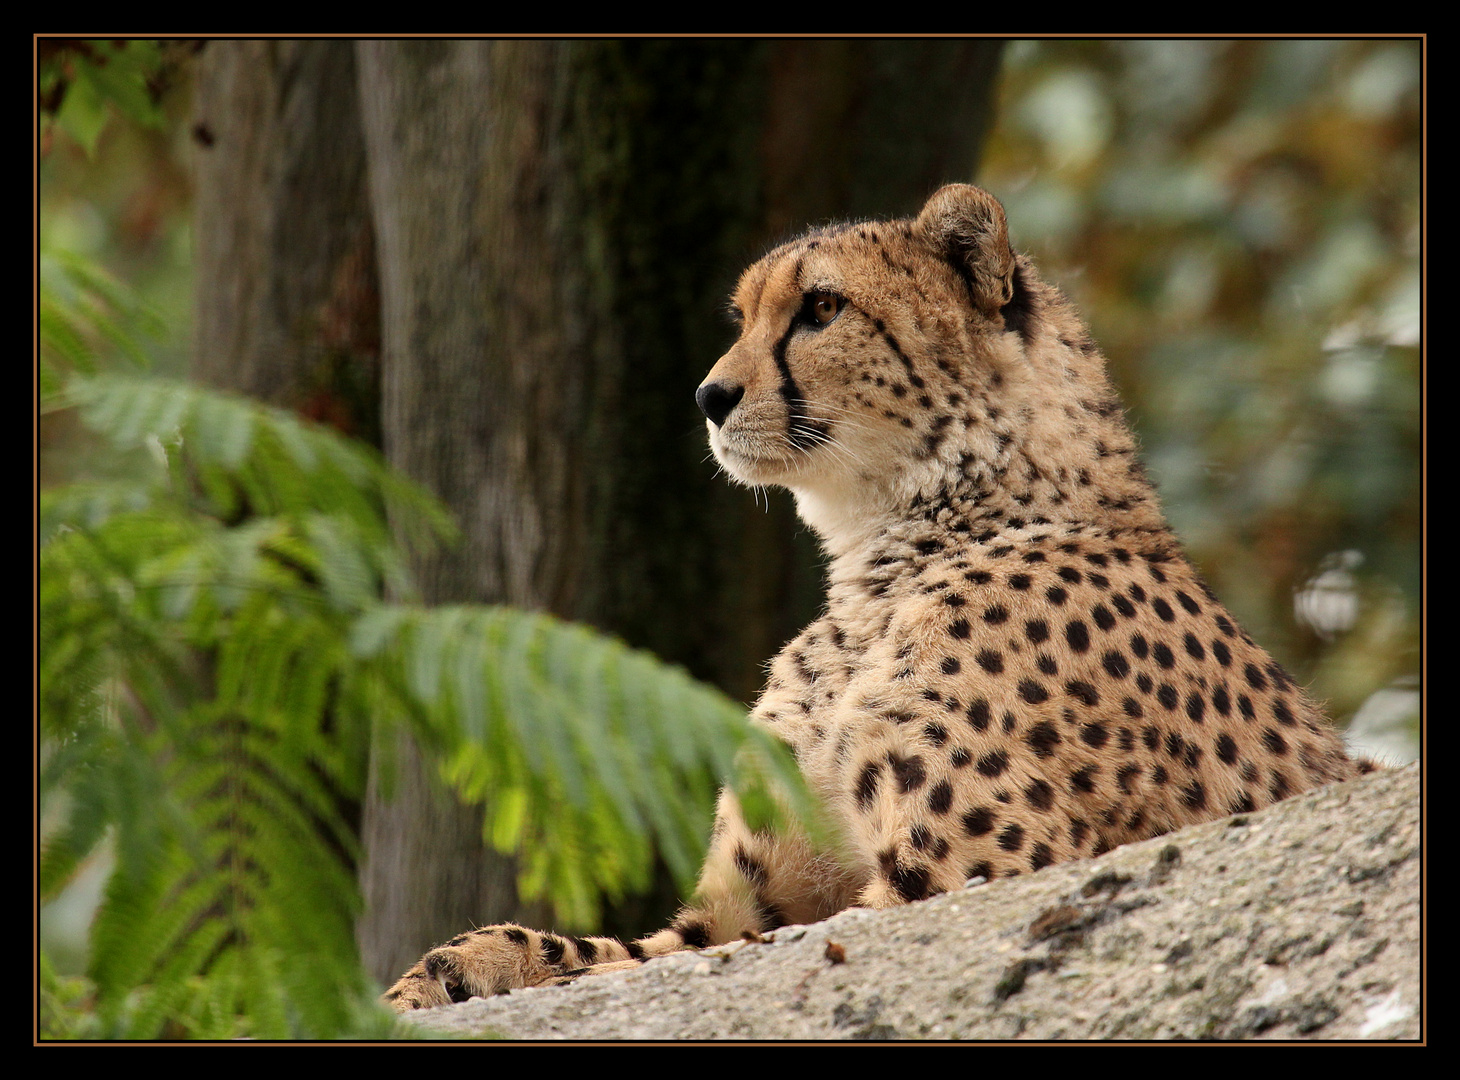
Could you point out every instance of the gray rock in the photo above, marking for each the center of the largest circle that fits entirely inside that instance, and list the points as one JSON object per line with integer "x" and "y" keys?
{"x": 1301, "y": 921}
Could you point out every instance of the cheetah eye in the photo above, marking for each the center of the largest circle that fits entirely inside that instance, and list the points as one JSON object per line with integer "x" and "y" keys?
{"x": 821, "y": 307}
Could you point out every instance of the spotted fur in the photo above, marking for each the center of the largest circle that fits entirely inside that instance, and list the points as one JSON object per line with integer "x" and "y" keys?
{"x": 1016, "y": 664}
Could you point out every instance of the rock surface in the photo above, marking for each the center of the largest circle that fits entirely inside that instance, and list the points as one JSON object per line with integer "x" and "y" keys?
{"x": 1299, "y": 922}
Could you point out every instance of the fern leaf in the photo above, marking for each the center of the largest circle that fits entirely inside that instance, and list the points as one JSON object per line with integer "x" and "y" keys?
{"x": 577, "y": 772}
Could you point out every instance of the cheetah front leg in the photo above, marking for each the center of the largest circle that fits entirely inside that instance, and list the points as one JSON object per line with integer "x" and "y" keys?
{"x": 753, "y": 882}
{"x": 496, "y": 959}
{"x": 750, "y": 884}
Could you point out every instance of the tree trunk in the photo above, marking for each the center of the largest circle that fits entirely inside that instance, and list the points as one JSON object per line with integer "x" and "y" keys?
{"x": 286, "y": 307}
{"x": 458, "y": 214}
{"x": 558, "y": 225}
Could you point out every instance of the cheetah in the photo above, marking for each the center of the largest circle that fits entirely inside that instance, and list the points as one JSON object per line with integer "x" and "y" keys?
{"x": 1015, "y": 665}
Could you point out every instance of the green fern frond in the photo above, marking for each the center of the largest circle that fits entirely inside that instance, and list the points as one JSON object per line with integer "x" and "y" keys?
{"x": 235, "y": 868}
{"x": 86, "y": 318}
{"x": 581, "y": 748}
{"x": 65, "y": 1005}
{"x": 191, "y": 708}
{"x": 233, "y": 456}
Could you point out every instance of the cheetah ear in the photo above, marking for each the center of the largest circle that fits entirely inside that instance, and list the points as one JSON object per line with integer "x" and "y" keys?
{"x": 966, "y": 226}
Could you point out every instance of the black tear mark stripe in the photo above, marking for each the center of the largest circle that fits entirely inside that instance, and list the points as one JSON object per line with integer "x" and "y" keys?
{"x": 802, "y": 432}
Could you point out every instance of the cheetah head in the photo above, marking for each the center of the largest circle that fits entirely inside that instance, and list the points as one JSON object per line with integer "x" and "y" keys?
{"x": 866, "y": 358}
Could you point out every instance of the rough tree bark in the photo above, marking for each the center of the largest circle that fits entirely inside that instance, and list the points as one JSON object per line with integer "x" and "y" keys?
{"x": 286, "y": 309}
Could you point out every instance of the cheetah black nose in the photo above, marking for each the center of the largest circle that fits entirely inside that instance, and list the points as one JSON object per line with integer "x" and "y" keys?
{"x": 716, "y": 400}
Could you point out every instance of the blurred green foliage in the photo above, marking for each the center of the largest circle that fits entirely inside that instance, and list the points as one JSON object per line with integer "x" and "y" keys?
{"x": 1240, "y": 223}
{"x": 114, "y": 186}
{"x": 82, "y": 84}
